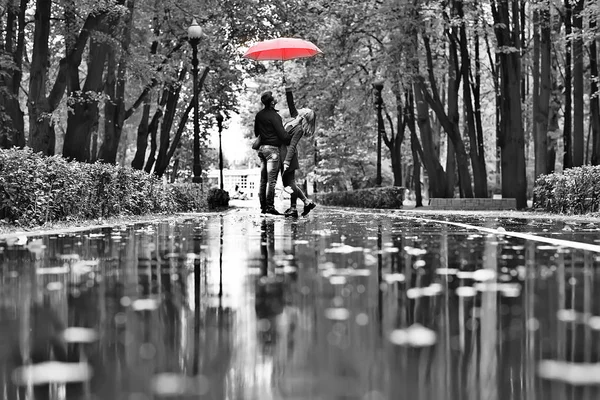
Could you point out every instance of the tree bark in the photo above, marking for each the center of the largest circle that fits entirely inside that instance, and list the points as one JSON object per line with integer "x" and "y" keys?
{"x": 514, "y": 182}
{"x": 476, "y": 147}
{"x": 84, "y": 112}
{"x": 142, "y": 136}
{"x": 114, "y": 106}
{"x": 394, "y": 142}
{"x": 568, "y": 113}
{"x": 578, "y": 88}
{"x": 167, "y": 122}
{"x": 160, "y": 168}
{"x": 449, "y": 121}
{"x": 541, "y": 88}
{"x": 42, "y": 105}
{"x": 594, "y": 93}
{"x": 13, "y": 134}
{"x": 438, "y": 184}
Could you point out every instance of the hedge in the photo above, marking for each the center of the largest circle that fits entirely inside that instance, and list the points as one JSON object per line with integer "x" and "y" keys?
{"x": 574, "y": 191}
{"x": 379, "y": 197}
{"x": 35, "y": 189}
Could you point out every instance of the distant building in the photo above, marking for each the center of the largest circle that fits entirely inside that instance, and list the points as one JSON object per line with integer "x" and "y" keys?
{"x": 247, "y": 180}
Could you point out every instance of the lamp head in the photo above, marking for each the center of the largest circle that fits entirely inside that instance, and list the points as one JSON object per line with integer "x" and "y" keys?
{"x": 194, "y": 31}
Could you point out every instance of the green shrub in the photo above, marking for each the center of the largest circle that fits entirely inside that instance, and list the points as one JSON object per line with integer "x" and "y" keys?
{"x": 574, "y": 191}
{"x": 217, "y": 198}
{"x": 35, "y": 189}
{"x": 189, "y": 196}
{"x": 379, "y": 197}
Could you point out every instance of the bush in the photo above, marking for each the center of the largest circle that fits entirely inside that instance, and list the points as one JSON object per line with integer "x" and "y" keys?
{"x": 379, "y": 197}
{"x": 574, "y": 191}
{"x": 35, "y": 189}
{"x": 217, "y": 198}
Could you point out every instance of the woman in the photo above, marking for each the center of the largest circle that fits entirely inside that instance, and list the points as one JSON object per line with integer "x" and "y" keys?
{"x": 301, "y": 124}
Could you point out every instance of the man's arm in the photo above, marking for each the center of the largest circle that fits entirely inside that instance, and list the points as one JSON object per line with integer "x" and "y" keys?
{"x": 280, "y": 130}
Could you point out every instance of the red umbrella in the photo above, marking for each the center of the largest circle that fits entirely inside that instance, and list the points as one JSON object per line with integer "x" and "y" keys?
{"x": 282, "y": 49}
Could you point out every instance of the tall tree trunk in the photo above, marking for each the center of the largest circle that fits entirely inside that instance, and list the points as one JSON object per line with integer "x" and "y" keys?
{"x": 41, "y": 106}
{"x": 41, "y": 127}
{"x": 568, "y": 121}
{"x": 578, "y": 89}
{"x": 394, "y": 142}
{"x": 13, "y": 134}
{"x": 167, "y": 122}
{"x": 84, "y": 113}
{"x": 416, "y": 149}
{"x": 142, "y": 136}
{"x": 478, "y": 118}
{"x": 162, "y": 166}
{"x": 438, "y": 184}
{"x": 514, "y": 182}
{"x": 114, "y": 106}
{"x": 449, "y": 121}
{"x": 542, "y": 88}
{"x": 594, "y": 93}
{"x": 152, "y": 132}
{"x": 475, "y": 148}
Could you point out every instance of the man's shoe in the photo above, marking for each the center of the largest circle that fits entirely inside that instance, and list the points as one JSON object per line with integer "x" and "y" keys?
{"x": 291, "y": 212}
{"x": 307, "y": 208}
{"x": 272, "y": 211}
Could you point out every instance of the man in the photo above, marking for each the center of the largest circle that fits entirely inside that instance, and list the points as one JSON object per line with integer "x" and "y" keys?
{"x": 269, "y": 126}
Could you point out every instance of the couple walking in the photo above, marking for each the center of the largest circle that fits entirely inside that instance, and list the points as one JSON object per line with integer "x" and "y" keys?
{"x": 278, "y": 152}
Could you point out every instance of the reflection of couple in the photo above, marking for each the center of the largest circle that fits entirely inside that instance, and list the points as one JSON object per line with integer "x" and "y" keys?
{"x": 278, "y": 152}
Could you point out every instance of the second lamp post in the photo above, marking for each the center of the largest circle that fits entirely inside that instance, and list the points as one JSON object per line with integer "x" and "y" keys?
{"x": 378, "y": 86}
{"x": 194, "y": 35}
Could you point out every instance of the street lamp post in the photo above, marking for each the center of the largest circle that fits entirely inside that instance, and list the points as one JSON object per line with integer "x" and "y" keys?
{"x": 194, "y": 35}
{"x": 378, "y": 86}
{"x": 220, "y": 126}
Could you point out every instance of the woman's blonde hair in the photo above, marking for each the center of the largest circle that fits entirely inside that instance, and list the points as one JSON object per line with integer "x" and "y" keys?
{"x": 308, "y": 121}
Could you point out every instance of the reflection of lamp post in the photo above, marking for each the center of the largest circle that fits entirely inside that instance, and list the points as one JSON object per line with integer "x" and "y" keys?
{"x": 220, "y": 126}
{"x": 194, "y": 35}
{"x": 378, "y": 86}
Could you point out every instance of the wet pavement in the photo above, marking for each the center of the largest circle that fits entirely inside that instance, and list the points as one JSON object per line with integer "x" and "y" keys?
{"x": 343, "y": 304}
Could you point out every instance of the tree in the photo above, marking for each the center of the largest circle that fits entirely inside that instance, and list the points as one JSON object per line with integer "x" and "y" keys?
{"x": 512, "y": 141}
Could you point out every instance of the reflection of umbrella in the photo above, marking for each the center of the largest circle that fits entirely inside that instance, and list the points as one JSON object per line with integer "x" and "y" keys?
{"x": 282, "y": 49}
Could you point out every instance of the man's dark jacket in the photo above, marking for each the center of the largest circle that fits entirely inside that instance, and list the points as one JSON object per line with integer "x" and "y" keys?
{"x": 269, "y": 125}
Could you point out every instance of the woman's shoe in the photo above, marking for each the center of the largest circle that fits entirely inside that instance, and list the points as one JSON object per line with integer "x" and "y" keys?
{"x": 307, "y": 208}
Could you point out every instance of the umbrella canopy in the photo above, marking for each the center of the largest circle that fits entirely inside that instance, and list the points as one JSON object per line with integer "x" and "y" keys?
{"x": 282, "y": 49}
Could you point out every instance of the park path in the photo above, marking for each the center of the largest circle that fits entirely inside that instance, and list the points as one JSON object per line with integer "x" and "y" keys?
{"x": 352, "y": 304}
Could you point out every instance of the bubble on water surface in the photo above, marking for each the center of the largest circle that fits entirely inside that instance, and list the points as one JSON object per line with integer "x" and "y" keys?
{"x": 415, "y": 335}
{"x": 54, "y": 286}
{"x": 594, "y": 322}
{"x": 446, "y": 271}
{"x": 568, "y": 315}
{"x": 145, "y": 304}
{"x": 172, "y": 384}
{"x": 52, "y": 270}
{"x": 343, "y": 249}
{"x": 75, "y": 334}
{"x": 395, "y": 277}
{"x": 483, "y": 275}
{"x": 572, "y": 373}
{"x": 337, "y": 314}
{"x": 413, "y": 251}
{"x": 51, "y": 372}
{"x": 362, "y": 319}
{"x": 337, "y": 280}
{"x": 466, "y": 291}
